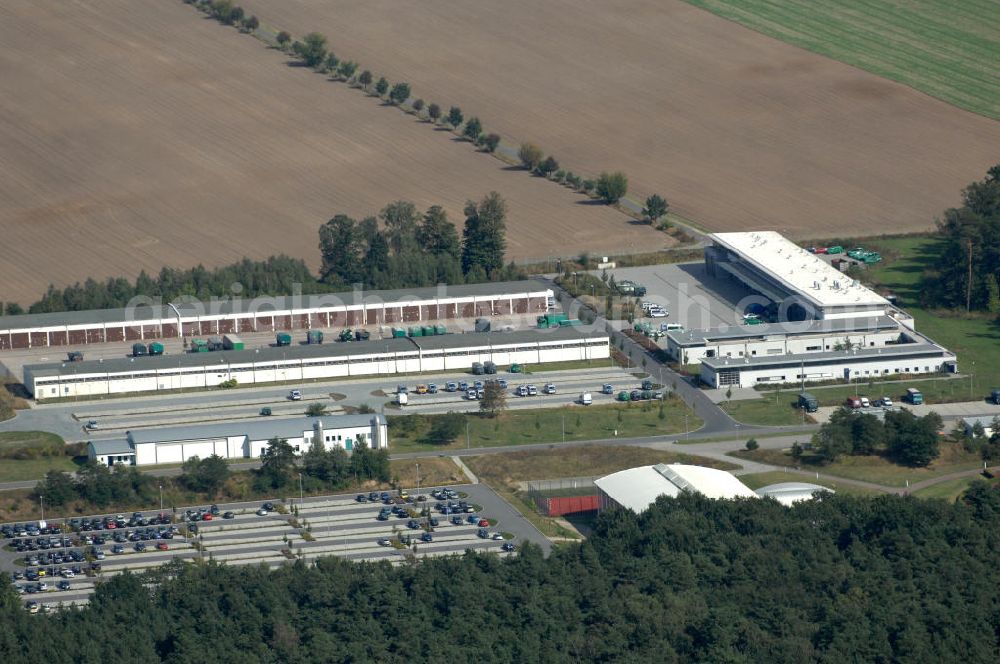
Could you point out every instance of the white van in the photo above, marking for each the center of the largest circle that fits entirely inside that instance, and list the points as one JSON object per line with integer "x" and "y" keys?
{"x": 586, "y": 399}
{"x": 402, "y": 398}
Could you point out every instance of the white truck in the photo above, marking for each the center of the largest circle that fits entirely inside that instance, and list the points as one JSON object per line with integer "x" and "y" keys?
{"x": 586, "y": 399}
{"x": 402, "y": 398}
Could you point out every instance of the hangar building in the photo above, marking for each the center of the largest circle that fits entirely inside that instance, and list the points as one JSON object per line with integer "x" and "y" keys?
{"x": 638, "y": 488}
{"x": 312, "y": 362}
{"x": 239, "y": 440}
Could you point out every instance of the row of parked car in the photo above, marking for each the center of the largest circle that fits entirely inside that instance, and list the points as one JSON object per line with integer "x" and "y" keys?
{"x": 855, "y": 403}
{"x": 12, "y": 530}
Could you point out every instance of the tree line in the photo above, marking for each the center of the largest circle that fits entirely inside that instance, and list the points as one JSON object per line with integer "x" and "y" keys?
{"x": 97, "y": 486}
{"x": 965, "y": 269}
{"x": 835, "y": 579}
{"x": 313, "y": 51}
{"x": 902, "y": 437}
{"x": 400, "y": 247}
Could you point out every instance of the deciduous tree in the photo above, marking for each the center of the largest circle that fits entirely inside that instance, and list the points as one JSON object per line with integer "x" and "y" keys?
{"x": 455, "y": 117}
{"x": 656, "y": 208}
{"x": 473, "y": 129}
{"x": 434, "y": 113}
{"x": 484, "y": 237}
{"x": 381, "y": 86}
{"x": 312, "y": 49}
{"x": 400, "y": 93}
{"x": 611, "y": 187}
{"x": 530, "y": 155}
{"x": 490, "y": 142}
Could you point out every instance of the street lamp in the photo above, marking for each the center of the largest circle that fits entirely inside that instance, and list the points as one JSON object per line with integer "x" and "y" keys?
{"x": 41, "y": 503}
{"x": 300, "y": 489}
{"x": 418, "y": 479}
{"x": 161, "y": 497}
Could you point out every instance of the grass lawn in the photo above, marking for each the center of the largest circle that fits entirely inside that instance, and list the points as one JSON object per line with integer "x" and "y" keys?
{"x": 949, "y": 490}
{"x": 768, "y": 411}
{"x": 873, "y": 468}
{"x": 545, "y": 425}
{"x": 542, "y": 367}
{"x": 757, "y": 480}
{"x": 941, "y": 48}
{"x": 22, "y": 470}
{"x": 29, "y": 439}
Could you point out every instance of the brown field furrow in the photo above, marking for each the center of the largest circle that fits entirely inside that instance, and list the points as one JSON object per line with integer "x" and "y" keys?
{"x": 135, "y": 135}
{"x": 736, "y": 129}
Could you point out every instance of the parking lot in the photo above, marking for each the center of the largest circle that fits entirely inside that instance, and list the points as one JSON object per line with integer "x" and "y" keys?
{"x": 692, "y": 297}
{"x": 471, "y": 517}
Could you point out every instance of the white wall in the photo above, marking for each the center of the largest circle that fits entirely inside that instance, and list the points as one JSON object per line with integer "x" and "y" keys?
{"x": 861, "y": 370}
{"x": 783, "y": 345}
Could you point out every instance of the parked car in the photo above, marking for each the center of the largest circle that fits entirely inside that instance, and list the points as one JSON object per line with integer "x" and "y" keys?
{"x": 262, "y": 512}
{"x": 265, "y": 411}
{"x": 507, "y": 546}
{"x": 295, "y": 395}
{"x": 532, "y": 391}
{"x": 865, "y": 403}
{"x": 427, "y": 537}
{"x": 421, "y": 389}
{"x": 497, "y": 536}
{"x": 451, "y": 386}
{"x": 385, "y": 541}
{"x": 162, "y": 546}
{"x": 361, "y": 498}
{"x": 432, "y": 388}
{"x": 607, "y": 388}
{"x": 886, "y": 402}
{"x": 852, "y": 403}
{"x": 228, "y": 515}
{"x": 550, "y": 388}
{"x": 483, "y": 523}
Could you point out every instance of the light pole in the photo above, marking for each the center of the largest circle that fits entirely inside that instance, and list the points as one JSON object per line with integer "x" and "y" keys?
{"x": 41, "y": 503}
{"x": 468, "y": 441}
{"x": 564, "y": 428}
{"x": 418, "y": 479}
{"x": 161, "y": 498}
{"x": 972, "y": 377}
{"x": 686, "y": 430}
{"x": 300, "y": 489}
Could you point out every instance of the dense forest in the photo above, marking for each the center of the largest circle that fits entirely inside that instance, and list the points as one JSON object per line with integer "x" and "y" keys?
{"x": 838, "y": 579}
{"x": 399, "y": 248}
{"x": 970, "y": 246}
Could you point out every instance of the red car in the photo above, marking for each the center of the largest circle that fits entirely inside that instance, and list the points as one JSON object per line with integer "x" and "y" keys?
{"x": 207, "y": 516}
{"x": 112, "y": 525}
{"x": 162, "y": 546}
{"x": 483, "y": 523}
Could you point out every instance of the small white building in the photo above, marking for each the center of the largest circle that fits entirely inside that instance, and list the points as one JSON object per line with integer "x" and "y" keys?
{"x": 789, "y": 493}
{"x": 111, "y": 452}
{"x": 239, "y": 440}
{"x": 986, "y": 421}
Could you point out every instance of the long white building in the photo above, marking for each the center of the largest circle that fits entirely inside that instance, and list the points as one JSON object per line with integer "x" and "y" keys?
{"x": 239, "y": 440}
{"x": 312, "y": 362}
{"x": 803, "y": 285}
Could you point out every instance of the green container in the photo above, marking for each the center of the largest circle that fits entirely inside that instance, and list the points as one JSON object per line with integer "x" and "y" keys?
{"x": 440, "y": 329}
{"x": 156, "y": 348}
{"x": 346, "y": 335}
{"x": 428, "y": 330}
{"x": 199, "y": 346}
{"x": 624, "y": 396}
{"x": 398, "y": 333}
{"x": 573, "y": 322}
{"x": 556, "y": 318}
{"x": 416, "y": 331}
{"x": 314, "y": 337}
{"x": 836, "y": 249}
{"x": 283, "y": 339}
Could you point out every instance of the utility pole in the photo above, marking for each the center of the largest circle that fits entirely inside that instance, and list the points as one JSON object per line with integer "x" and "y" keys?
{"x": 972, "y": 378}
{"x": 161, "y": 498}
{"x": 564, "y": 428}
{"x": 418, "y": 479}
{"x": 300, "y": 489}
{"x": 41, "y": 503}
{"x": 468, "y": 441}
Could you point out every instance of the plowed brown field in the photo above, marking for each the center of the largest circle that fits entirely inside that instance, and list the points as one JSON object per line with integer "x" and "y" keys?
{"x": 736, "y": 129}
{"x": 137, "y": 134}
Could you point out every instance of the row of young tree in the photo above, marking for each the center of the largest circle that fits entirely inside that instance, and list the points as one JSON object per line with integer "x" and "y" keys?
{"x": 321, "y": 469}
{"x": 837, "y": 579}
{"x": 965, "y": 271}
{"x": 902, "y": 437}
{"x": 314, "y": 52}
{"x": 403, "y": 248}
{"x": 276, "y": 275}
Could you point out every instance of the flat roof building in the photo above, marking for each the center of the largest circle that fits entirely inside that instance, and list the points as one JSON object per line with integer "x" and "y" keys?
{"x": 789, "y": 493}
{"x": 851, "y": 364}
{"x": 239, "y": 440}
{"x": 803, "y": 285}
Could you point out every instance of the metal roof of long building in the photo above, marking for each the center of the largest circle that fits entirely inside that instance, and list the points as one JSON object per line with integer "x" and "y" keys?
{"x": 266, "y": 304}
{"x": 295, "y": 354}
{"x": 111, "y": 446}
{"x": 264, "y": 428}
{"x": 797, "y": 270}
{"x": 789, "y": 329}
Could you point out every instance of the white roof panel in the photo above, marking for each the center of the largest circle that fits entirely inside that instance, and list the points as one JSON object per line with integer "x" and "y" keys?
{"x": 636, "y": 488}
{"x": 798, "y": 270}
{"x": 710, "y": 482}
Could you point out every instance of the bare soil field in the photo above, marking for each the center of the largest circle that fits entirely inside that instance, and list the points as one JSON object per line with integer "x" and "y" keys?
{"x": 737, "y": 130}
{"x": 141, "y": 134}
